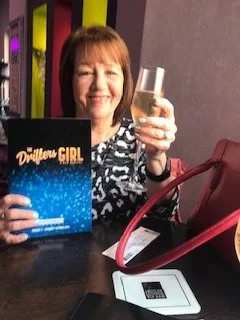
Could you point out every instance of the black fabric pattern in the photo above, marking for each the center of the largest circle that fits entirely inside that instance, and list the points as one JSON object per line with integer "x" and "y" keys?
{"x": 112, "y": 161}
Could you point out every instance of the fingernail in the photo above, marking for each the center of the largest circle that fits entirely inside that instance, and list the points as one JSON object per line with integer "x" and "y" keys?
{"x": 142, "y": 120}
{"x": 137, "y": 127}
{"x": 35, "y": 215}
{"x": 153, "y": 100}
{"x": 158, "y": 100}
{"x": 37, "y": 222}
{"x": 27, "y": 202}
{"x": 24, "y": 236}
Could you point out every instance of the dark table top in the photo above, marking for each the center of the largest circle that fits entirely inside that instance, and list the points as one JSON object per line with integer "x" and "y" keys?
{"x": 45, "y": 279}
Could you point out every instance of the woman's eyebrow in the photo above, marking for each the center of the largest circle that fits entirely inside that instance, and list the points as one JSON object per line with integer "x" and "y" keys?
{"x": 85, "y": 64}
{"x": 108, "y": 65}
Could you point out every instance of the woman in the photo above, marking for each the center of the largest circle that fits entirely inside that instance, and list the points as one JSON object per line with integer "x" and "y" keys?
{"x": 96, "y": 83}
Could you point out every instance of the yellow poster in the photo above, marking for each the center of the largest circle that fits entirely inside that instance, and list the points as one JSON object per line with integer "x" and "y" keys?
{"x": 39, "y": 42}
{"x": 94, "y": 12}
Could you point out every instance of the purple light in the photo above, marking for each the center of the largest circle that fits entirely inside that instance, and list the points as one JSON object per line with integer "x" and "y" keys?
{"x": 15, "y": 45}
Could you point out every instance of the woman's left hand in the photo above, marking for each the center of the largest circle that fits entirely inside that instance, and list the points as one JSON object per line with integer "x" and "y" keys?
{"x": 157, "y": 133}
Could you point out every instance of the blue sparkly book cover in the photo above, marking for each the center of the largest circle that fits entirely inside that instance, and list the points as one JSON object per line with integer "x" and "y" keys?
{"x": 49, "y": 161}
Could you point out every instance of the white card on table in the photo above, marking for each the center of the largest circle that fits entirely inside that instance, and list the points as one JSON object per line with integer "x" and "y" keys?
{"x": 139, "y": 239}
{"x": 163, "y": 291}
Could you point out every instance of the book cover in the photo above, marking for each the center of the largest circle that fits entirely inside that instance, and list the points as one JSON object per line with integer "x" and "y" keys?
{"x": 96, "y": 306}
{"x": 49, "y": 161}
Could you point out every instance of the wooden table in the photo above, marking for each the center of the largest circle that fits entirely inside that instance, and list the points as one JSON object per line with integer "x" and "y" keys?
{"x": 45, "y": 279}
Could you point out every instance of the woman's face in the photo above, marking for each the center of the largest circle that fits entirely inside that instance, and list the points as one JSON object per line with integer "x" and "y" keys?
{"x": 97, "y": 88}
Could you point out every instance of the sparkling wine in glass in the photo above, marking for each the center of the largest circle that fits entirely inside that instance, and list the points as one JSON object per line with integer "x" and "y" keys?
{"x": 149, "y": 87}
{"x": 237, "y": 240}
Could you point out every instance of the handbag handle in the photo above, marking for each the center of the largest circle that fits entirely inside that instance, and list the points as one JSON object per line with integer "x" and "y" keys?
{"x": 165, "y": 258}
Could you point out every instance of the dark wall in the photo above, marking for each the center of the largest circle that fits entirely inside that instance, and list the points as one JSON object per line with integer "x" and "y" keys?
{"x": 4, "y": 22}
{"x": 129, "y": 24}
{"x": 198, "y": 42}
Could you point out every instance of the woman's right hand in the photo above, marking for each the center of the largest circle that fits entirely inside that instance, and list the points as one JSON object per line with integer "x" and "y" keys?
{"x": 15, "y": 219}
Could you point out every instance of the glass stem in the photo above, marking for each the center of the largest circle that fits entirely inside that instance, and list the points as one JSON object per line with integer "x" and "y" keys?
{"x": 136, "y": 161}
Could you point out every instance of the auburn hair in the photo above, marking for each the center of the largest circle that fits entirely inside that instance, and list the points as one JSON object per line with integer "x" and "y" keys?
{"x": 94, "y": 43}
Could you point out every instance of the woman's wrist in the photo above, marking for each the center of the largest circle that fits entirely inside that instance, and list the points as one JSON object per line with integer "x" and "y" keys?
{"x": 157, "y": 165}
{"x": 164, "y": 175}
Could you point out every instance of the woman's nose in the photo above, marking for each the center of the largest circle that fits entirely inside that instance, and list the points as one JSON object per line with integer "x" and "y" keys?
{"x": 100, "y": 81}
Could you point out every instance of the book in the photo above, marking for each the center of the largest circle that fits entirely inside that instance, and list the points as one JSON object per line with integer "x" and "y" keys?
{"x": 96, "y": 306}
{"x": 49, "y": 161}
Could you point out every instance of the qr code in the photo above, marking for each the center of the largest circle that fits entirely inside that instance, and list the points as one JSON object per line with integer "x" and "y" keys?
{"x": 153, "y": 290}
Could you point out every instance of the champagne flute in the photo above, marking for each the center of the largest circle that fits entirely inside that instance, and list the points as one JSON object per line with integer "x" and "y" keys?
{"x": 237, "y": 240}
{"x": 148, "y": 88}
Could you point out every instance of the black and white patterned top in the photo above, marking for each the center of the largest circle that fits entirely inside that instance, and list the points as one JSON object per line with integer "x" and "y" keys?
{"x": 112, "y": 161}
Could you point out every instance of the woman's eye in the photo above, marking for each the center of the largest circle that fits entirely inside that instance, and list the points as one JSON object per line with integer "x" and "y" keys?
{"x": 111, "y": 72}
{"x": 84, "y": 73}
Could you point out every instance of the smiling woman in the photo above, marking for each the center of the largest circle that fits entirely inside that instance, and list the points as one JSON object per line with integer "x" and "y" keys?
{"x": 98, "y": 89}
{"x": 96, "y": 83}
{"x": 88, "y": 46}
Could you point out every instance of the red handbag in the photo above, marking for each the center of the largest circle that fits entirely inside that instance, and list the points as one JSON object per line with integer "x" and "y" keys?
{"x": 215, "y": 215}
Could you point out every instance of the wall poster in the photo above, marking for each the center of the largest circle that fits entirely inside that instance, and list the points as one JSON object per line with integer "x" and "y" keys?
{"x": 16, "y": 49}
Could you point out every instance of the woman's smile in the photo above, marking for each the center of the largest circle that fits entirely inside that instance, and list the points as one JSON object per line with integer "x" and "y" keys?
{"x": 98, "y": 99}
